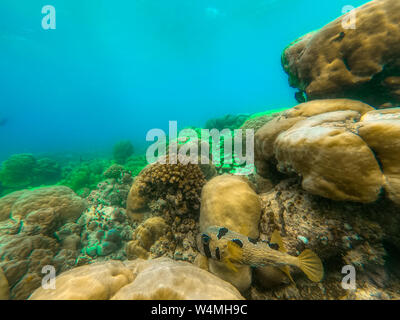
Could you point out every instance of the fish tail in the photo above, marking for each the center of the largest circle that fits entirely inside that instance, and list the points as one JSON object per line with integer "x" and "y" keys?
{"x": 311, "y": 265}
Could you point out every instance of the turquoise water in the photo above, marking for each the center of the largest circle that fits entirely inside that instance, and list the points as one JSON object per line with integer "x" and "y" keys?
{"x": 115, "y": 69}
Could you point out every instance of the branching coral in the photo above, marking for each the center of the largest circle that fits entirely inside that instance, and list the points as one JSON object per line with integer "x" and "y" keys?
{"x": 178, "y": 185}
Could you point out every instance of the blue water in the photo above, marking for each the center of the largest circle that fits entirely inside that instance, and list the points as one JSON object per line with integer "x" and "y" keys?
{"x": 115, "y": 69}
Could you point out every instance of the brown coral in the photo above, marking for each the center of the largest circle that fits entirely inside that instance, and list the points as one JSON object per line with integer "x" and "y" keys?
{"x": 361, "y": 63}
{"x": 342, "y": 149}
{"x": 177, "y": 185}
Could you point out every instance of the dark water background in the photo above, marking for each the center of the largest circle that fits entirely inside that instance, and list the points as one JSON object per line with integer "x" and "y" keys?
{"x": 115, "y": 69}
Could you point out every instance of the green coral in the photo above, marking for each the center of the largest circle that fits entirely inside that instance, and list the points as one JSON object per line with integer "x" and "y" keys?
{"x": 227, "y": 122}
{"x": 85, "y": 175}
{"x": 16, "y": 172}
{"x": 135, "y": 164}
{"x": 46, "y": 171}
{"x": 122, "y": 151}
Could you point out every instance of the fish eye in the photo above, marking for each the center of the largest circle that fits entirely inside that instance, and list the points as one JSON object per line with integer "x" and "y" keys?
{"x": 205, "y": 238}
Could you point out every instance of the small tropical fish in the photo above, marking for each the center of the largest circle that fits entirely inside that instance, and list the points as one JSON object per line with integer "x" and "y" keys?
{"x": 231, "y": 248}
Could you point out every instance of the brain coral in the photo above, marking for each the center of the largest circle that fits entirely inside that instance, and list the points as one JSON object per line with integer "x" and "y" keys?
{"x": 361, "y": 63}
{"x": 179, "y": 185}
{"x": 342, "y": 150}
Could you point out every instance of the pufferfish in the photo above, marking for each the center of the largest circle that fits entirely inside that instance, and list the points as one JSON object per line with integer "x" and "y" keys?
{"x": 231, "y": 248}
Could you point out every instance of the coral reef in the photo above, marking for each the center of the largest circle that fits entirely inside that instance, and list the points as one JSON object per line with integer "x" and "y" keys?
{"x": 135, "y": 165}
{"x": 84, "y": 176}
{"x": 153, "y": 236}
{"x": 326, "y": 142}
{"x": 170, "y": 191}
{"x": 341, "y": 233}
{"x": 28, "y": 236}
{"x": 122, "y": 150}
{"x": 358, "y": 63}
{"x": 105, "y": 232}
{"x": 97, "y": 281}
{"x": 227, "y": 122}
{"x": 16, "y": 172}
{"x": 159, "y": 279}
{"x": 24, "y": 170}
{"x": 176, "y": 187}
{"x": 63, "y": 201}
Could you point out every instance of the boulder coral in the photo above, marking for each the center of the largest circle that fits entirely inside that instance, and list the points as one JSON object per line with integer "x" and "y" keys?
{"x": 158, "y": 279}
{"x": 231, "y": 202}
{"x": 31, "y": 220}
{"x": 63, "y": 201}
{"x": 342, "y": 149}
{"x": 152, "y": 232}
{"x": 97, "y": 281}
{"x": 360, "y": 62}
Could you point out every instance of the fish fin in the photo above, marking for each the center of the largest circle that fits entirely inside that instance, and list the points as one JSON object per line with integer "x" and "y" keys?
{"x": 311, "y": 265}
{"x": 286, "y": 270}
{"x": 235, "y": 253}
{"x": 230, "y": 265}
{"x": 276, "y": 238}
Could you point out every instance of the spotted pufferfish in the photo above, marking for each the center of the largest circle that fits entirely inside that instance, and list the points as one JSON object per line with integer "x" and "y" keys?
{"x": 232, "y": 248}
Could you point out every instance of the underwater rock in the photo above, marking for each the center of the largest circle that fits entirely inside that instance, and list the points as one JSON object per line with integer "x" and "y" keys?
{"x": 166, "y": 279}
{"x": 231, "y": 202}
{"x": 360, "y": 62}
{"x": 341, "y": 233}
{"x": 97, "y": 281}
{"x": 336, "y": 146}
